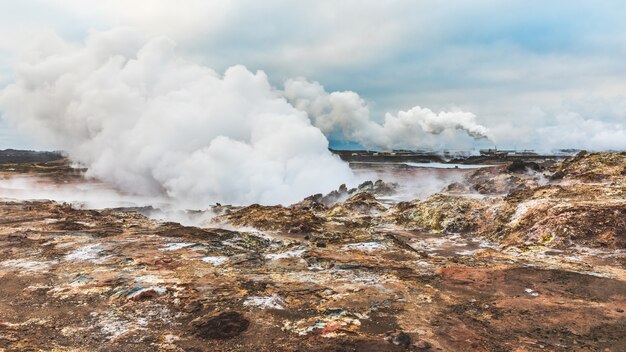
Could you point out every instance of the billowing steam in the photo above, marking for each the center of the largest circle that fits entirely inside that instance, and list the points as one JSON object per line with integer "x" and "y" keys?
{"x": 347, "y": 114}
{"x": 141, "y": 117}
{"x": 152, "y": 123}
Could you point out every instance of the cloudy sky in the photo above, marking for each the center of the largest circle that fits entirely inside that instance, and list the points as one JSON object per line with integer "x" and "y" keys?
{"x": 538, "y": 74}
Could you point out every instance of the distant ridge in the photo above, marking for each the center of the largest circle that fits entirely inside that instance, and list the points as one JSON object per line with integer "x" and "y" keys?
{"x": 28, "y": 156}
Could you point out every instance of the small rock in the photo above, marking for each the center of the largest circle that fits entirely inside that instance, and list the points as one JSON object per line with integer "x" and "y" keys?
{"x": 531, "y": 292}
{"x": 422, "y": 345}
{"x": 193, "y": 306}
{"x": 400, "y": 339}
{"x": 146, "y": 293}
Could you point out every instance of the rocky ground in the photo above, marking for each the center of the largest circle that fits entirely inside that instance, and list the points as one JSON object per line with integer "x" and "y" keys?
{"x": 517, "y": 257}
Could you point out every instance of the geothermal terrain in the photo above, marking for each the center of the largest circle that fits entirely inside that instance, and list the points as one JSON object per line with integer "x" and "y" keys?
{"x": 516, "y": 256}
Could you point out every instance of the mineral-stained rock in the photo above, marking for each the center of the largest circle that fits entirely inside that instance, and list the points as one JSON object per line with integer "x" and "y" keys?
{"x": 274, "y": 218}
{"x": 501, "y": 180}
{"x": 440, "y": 212}
{"x": 592, "y": 167}
{"x": 146, "y": 293}
{"x": 563, "y": 215}
{"x": 175, "y": 229}
{"x": 584, "y": 210}
{"x": 537, "y": 267}
{"x": 360, "y": 204}
{"x": 589, "y": 225}
{"x": 313, "y": 203}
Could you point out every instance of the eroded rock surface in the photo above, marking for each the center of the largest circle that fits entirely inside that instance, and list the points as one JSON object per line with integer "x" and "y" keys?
{"x": 535, "y": 265}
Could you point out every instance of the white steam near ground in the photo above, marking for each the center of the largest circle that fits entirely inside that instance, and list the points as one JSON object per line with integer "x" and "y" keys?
{"x": 154, "y": 124}
{"x": 89, "y": 194}
{"x": 415, "y": 183}
{"x": 98, "y": 195}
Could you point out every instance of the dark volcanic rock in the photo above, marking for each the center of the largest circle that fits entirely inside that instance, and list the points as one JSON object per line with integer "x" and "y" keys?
{"x": 400, "y": 339}
{"x": 319, "y": 202}
{"x": 378, "y": 188}
{"x": 221, "y": 326}
{"x": 520, "y": 167}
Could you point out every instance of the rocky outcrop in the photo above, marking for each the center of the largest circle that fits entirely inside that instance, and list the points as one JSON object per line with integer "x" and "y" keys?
{"x": 359, "y": 204}
{"x": 502, "y": 180}
{"x": 441, "y": 213}
{"x": 379, "y": 188}
{"x": 587, "y": 208}
{"x": 273, "y": 218}
{"x": 592, "y": 167}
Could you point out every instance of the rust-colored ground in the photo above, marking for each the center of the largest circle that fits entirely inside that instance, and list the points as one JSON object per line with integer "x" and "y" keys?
{"x": 354, "y": 276}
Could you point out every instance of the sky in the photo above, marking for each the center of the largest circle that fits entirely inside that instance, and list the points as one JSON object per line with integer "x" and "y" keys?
{"x": 539, "y": 75}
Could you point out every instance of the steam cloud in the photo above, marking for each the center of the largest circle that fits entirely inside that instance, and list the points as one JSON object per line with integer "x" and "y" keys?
{"x": 152, "y": 123}
{"x": 141, "y": 117}
{"x": 346, "y": 113}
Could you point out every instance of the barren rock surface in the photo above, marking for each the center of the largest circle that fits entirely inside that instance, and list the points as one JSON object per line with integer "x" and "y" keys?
{"x": 512, "y": 259}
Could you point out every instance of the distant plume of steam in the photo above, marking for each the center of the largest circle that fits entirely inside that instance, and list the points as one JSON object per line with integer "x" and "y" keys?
{"x": 153, "y": 124}
{"x": 347, "y": 113}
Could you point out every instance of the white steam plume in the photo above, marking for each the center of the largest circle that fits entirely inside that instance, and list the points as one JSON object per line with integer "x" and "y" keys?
{"x": 346, "y": 113}
{"x": 152, "y": 123}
